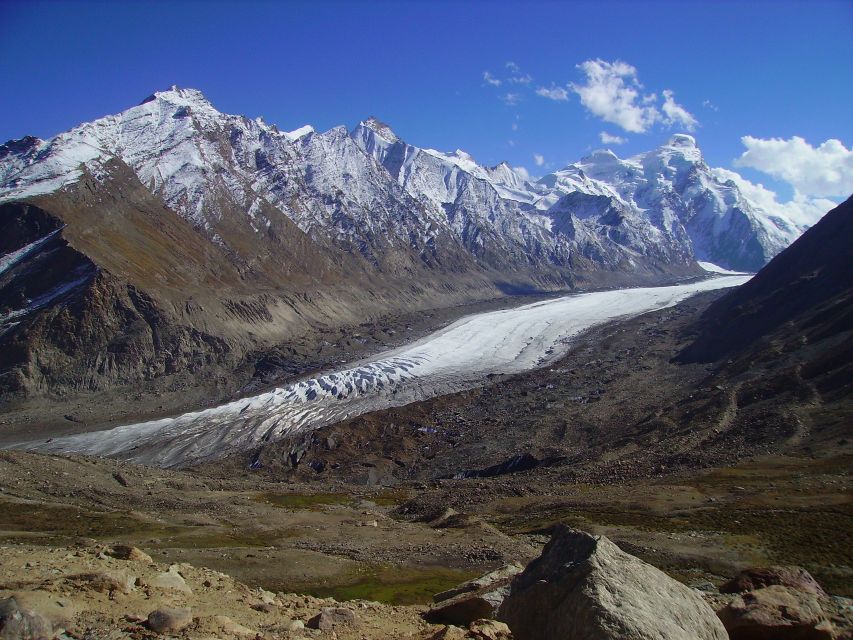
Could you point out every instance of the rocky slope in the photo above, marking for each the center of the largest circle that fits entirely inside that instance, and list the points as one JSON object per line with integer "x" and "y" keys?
{"x": 803, "y": 295}
{"x": 171, "y": 243}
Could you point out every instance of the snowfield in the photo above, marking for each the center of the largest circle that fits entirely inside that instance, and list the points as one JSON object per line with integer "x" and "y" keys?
{"x": 457, "y": 357}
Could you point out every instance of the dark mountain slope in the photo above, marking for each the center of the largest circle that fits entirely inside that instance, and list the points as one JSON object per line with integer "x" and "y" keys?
{"x": 807, "y": 288}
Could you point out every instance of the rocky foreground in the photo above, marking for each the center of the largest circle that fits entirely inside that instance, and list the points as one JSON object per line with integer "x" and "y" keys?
{"x": 580, "y": 587}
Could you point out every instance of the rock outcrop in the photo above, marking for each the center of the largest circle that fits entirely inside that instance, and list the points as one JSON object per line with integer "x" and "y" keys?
{"x": 170, "y": 620}
{"x": 584, "y": 587}
{"x": 17, "y": 623}
{"x": 776, "y": 613}
{"x": 472, "y": 600}
{"x": 757, "y": 577}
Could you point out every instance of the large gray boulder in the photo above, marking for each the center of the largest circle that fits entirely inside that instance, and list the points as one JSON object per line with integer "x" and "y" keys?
{"x": 584, "y": 587}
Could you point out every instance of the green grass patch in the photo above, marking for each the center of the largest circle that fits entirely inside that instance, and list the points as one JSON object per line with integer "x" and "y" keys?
{"x": 396, "y": 585}
{"x": 68, "y": 521}
{"x": 304, "y": 501}
{"x": 390, "y": 498}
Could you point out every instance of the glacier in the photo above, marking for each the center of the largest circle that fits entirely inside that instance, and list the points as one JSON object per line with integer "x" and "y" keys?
{"x": 458, "y": 357}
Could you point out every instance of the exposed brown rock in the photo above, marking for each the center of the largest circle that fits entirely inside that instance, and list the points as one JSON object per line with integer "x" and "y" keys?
{"x": 776, "y": 613}
{"x": 17, "y": 623}
{"x": 472, "y": 600}
{"x": 755, "y": 578}
{"x": 331, "y": 617}
{"x": 169, "y": 620}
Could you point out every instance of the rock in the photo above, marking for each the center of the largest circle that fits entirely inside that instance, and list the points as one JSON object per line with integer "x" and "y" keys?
{"x": 228, "y": 626}
{"x": 60, "y": 612}
{"x": 450, "y": 633}
{"x": 170, "y": 579}
{"x": 489, "y": 630}
{"x": 472, "y": 600}
{"x": 104, "y": 581}
{"x": 169, "y": 620}
{"x": 584, "y": 587}
{"x": 465, "y": 608}
{"x": 293, "y": 625}
{"x": 491, "y": 578}
{"x": 775, "y": 613}
{"x": 17, "y": 623}
{"x": 794, "y": 577}
{"x": 331, "y": 617}
{"x": 267, "y": 597}
{"x": 126, "y": 552}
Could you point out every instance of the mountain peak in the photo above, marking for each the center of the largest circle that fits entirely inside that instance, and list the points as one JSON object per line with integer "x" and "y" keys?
{"x": 380, "y": 128}
{"x": 681, "y": 140}
{"x": 600, "y": 156}
{"x": 181, "y": 97}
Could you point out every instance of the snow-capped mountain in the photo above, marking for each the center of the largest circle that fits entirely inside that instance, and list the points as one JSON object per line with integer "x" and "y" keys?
{"x": 666, "y": 204}
{"x": 677, "y": 192}
{"x": 667, "y": 198}
{"x": 221, "y": 233}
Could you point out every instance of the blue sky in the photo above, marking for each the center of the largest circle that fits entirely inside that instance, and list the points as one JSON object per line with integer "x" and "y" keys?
{"x": 769, "y": 70}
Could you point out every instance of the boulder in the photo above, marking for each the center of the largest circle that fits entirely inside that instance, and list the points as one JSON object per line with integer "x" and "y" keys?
{"x": 776, "y": 613}
{"x": 331, "y": 617}
{"x": 489, "y": 630}
{"x": 169, "y": 620}
{"x": 233, "y": 629}
{"x": 170, "y": 580}
{"x": 472, "y": 600}
{"x": 755, "y": 578}
{"x": 584, "y": 587}
{"x": 103, "y": 581}
{"x": 489, "y": 579}
{"x": 18, "y": 623}
{"x": 126, "y": 552}
{"x": 450, "y": 633}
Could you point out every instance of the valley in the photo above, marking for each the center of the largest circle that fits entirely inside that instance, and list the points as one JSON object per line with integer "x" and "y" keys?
{"x": 267, "y": 384}
{"x": 350, "y": 528}
{"x": 453, "y": 359}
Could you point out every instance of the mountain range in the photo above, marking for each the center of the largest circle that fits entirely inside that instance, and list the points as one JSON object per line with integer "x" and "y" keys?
{"x": 173, "y": 238}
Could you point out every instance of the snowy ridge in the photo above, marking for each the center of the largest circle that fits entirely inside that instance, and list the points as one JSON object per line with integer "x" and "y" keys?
{"x": 370, "y": 189}
{"x": 457, "y": 357}
{"x": 9, "y": 260}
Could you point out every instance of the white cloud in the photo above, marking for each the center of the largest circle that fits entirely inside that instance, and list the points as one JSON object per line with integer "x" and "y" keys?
{"x": 611, "y": 92}
{"x": 553, "y": 93}
{"x": 607, "y": 138}
{"x": 710, "y": 105}
{"x": 521, "y": 79}
{"x": 511, "y": 99}
{"x": 513, "y": 68}
{"x": 539, "y": 159}
{"x": 524, "y": 173}
{"x": 826, "y": 170}
{"x": 801, "y": 210}
{"x": 490, "y": 79}
{"x": 675, "y": 114}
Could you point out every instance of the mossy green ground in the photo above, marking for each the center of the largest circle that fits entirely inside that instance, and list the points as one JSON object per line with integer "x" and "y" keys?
{"x": 396, "y": 585}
